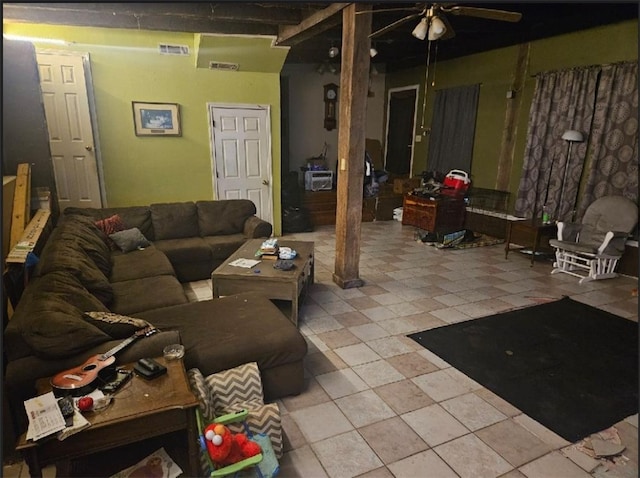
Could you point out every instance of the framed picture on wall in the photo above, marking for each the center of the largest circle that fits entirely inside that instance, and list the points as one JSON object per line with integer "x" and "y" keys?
{"x": 156, "y": 119}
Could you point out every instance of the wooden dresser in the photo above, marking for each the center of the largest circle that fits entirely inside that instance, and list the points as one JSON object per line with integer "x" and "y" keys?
{"x": 442, "y": 215}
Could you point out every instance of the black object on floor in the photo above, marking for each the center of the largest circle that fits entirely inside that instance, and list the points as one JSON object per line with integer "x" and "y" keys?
{"x": 569, "y": 366}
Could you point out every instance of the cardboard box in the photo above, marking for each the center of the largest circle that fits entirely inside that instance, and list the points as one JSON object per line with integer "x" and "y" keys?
{"x": 404, "y": 185}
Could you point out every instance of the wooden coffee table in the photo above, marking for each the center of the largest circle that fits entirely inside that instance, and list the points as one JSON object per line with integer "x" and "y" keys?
{"x": 142, "y": 409}
{"x": 264, "y": 278}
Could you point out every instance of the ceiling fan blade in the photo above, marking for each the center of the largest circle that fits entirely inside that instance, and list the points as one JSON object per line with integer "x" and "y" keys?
{"x": 394, "y": 25}
{"x": 417, "y": 8}
{"x": 488, "y": 13}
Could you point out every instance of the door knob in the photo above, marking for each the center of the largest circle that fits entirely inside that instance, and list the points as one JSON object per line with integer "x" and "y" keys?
{"x": 88, "y": 148}
{"x": 265, "y": 182}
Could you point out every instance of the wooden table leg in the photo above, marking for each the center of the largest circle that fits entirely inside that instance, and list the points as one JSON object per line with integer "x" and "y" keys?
{"x": 214, "y": 289}
{"x": 32, "y": 461}
{"x": 536, "y": 241}
{"x": 508, "y": 241}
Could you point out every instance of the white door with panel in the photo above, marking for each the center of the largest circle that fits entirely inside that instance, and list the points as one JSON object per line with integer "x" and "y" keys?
{"x": 66, "y": 106}
{"x": 241, "y": 148}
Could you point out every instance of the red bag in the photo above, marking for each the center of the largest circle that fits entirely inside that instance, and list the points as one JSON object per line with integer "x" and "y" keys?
{"x": 456, "y": 183}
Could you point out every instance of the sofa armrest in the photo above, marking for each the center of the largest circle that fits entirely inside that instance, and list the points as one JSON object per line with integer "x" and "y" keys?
{"x": 255, "y": 227}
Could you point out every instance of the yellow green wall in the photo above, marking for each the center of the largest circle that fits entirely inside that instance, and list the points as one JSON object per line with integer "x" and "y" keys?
{"x": 126, "y": 67}
{"x": 494, "y": 70}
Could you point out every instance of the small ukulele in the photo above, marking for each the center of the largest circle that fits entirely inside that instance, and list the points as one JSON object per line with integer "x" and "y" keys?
{"x": 80, "y": 380}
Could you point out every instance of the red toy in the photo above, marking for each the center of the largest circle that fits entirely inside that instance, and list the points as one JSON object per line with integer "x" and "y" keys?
{"x": 225, "y": 448}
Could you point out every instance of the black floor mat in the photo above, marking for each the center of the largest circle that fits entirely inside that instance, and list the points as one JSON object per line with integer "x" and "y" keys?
{"x": 567, "y": 365}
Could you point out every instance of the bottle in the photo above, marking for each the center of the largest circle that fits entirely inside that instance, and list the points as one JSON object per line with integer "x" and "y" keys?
{"x": 545, "y": 215}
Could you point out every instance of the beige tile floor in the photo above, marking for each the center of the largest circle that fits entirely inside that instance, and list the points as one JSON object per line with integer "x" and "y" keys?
{"x": 379, "y": 405}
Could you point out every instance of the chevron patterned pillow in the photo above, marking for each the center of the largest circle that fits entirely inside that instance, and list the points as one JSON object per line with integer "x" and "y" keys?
{"x": 239, "y": 384}
{"x": 262, "y": 419}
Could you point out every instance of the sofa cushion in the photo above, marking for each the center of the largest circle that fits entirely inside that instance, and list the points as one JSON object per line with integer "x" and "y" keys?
{"x": 147, "y": 262}
{"x": 174, "y": 220}
{"x": 223, "y": 246}
{"x": 132, "y": 216}
{"x": 133, "y": 296}
{"x": 49, "y": 316}
{"x": 91, "y": 239}
{"x": 214, "y": 343}
{"x": 224, "y": 216}
{"x": 129, "y": 239}
{"x": 192, "y": 249}
{"x": 68, "y": 256}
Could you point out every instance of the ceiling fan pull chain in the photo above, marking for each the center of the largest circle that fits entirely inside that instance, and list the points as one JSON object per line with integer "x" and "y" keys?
{"x": 435, "y": 64}
{"x": 426, "y": 86}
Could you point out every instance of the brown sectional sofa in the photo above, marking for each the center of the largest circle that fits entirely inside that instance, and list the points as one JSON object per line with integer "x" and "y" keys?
{"x": 78, "y": 272}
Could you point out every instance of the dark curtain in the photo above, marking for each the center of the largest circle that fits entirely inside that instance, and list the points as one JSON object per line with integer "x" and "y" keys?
{"x": 613, "y": 140}
{"x": 453, "y": 128}
{"x": 562, "y": 100}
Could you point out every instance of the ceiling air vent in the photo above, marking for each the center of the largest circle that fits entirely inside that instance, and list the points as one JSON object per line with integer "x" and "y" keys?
{"x": 219, "y": 65}
{"x": 166, "y": 49}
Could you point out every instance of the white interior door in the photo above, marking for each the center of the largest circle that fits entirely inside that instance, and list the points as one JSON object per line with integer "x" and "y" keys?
{"x": 66, "y": 106}
{"x": 241, "y": 148}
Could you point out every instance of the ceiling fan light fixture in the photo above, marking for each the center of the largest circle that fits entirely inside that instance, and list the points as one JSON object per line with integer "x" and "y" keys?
{"x": 333, "y": 52}
{"x": 420, "y": 31}
{"x": 372, "y": 52}
{"x": 437, "y": 28}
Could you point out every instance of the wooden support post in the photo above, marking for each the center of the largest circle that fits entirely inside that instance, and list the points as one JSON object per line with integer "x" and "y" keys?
{"x": 508, "y": 144}
{"x": 21, "y": 203}
{"x": 351, "y": 142}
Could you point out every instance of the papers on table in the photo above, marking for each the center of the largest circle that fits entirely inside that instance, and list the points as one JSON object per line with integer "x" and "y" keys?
{"x": 44, "y": 415}
{"x": 246, "y": 263}
{"x": 79, "y": 423}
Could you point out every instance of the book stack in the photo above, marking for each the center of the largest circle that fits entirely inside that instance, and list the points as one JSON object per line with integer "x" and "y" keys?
{"x": 268, "y": 249}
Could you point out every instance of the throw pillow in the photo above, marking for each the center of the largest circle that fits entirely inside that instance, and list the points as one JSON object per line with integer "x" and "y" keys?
{"x": 116, "y": 325}
{"x": 129, "y": 239}
{"x": 239, "y": 384}
{"x": 111, "y": 225}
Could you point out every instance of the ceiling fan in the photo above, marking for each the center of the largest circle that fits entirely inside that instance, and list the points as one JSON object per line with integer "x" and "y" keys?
{"x": 434, "y": 24}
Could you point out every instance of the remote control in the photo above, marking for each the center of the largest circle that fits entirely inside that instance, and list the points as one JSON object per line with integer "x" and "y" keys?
{"x": 66, "y": 406}
{"x": 149, "y": 364}
{"x": 112, "y": 387}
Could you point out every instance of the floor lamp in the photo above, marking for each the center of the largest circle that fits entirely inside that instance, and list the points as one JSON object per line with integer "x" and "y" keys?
{"x": 570, "y": 136}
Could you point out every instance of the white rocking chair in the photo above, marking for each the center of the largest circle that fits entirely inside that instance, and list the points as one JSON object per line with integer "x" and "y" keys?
{"x": 591, "y": 249}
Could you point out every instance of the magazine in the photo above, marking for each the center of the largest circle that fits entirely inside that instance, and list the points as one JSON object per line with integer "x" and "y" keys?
{"x": 157, "y": 465}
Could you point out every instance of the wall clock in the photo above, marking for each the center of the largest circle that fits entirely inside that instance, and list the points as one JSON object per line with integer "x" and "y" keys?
{"x": 330, "y": 99}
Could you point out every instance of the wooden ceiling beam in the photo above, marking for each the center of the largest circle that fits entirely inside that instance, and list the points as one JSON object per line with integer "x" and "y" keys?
{"x": 188, "y": 17}
{"x": 311, "y": 26}
{"x": 276, "y": 14}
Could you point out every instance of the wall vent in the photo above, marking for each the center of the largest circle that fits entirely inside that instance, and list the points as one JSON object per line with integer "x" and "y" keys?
{"x": 219, "y": 65}
{"x": 166, "y": 49}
